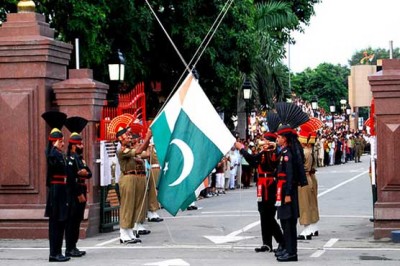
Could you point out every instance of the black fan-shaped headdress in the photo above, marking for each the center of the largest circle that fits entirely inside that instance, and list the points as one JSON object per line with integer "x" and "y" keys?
{"x": 291, "y": 114}
{"x": 273, "y": 124}
{"x": 273, "y": 121}
{"x": 56, "y": 121}
{"x": 75, "y": 125}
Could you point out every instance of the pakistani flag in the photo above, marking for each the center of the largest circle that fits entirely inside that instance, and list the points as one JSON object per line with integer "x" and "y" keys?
{"x": 190, "y": 139}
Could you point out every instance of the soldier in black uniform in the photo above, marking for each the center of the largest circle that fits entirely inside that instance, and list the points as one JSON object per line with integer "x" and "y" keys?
{"x": 78, "y": 173}
{"x": 290, "y": 174}
{"x": 56, "y": 182}
{"x": 266, "y": 162}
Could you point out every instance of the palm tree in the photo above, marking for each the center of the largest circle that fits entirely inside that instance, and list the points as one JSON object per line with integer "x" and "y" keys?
{"x": 269, "y": 78}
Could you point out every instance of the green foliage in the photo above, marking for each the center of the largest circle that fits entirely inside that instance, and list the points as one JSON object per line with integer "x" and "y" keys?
{"x": 85, "y": 20}
{"x": 327, "y": 82}
{"x": 302, "y": 9}
{"x": 230, "y": 52}
{"x": 270, "y": 77}
{"x": 379, "y": 53}
{"x": 7, "y": 6}
{"x": 249, "y": 38}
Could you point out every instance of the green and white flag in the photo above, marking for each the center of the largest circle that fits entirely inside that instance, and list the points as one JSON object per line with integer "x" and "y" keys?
{"x": 190, "y": 138}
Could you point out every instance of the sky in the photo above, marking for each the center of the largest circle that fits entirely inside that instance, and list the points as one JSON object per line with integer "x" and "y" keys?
{"x": 340, "y": 28}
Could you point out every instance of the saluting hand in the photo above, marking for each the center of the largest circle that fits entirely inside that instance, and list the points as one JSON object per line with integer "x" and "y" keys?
{"x": 81, "y": 198}
{"x": 288, "y": 199}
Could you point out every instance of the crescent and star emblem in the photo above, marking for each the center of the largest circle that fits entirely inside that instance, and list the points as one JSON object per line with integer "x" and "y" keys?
{"x": 188, "y": 161}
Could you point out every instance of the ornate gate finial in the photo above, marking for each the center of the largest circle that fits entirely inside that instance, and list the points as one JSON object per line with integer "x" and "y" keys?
{"x": 26, "y": 6}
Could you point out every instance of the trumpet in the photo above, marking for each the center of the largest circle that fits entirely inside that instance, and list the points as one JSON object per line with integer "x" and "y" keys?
{"x": 269, "y": 146}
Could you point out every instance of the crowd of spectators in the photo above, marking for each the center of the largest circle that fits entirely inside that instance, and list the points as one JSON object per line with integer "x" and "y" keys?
{"x": 336, "y": 144}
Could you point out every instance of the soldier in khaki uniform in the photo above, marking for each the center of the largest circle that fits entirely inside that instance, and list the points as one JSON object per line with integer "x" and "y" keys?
{"x": 132, "y": 184}
{"x": 308, "y": 204}
{"x": 154, "y": 173}
{"x": 358, "y": 148}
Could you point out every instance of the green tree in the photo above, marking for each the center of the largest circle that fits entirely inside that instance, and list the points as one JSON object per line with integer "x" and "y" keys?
{"x": 327, "y": 82}
{"x": 269, "y": 76}
{"x": 85, "y": 20}
{"x": 379, "y": 53}
{"x": 230, "y": 52}
{"x": 302, "y": 9}
{"x": 7, "y": 6}
{"x": 104, "y": 26}
{"x": 274, "y": 21}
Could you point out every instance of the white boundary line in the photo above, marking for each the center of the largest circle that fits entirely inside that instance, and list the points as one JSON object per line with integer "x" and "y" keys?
{"x": 341, "y": 184}
{"x": 332, "y": 241}
{"x": 328, "y": 244}
{"x": 209, "y": 247}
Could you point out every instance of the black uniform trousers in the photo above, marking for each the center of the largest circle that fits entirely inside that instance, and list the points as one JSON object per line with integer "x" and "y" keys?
{"x": 57, "y": 211}
{"x": 56, "y": 235}
{"x": 74, "y": 223}
{"x": 269, "y": 225}
{"x": 290, "y": 234}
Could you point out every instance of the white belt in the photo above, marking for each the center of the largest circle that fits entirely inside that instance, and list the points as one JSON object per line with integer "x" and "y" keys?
{"x": 155, "y": 166}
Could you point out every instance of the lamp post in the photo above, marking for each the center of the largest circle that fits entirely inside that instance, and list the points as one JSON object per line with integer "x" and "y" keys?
{"x": 343, "y": 105}
{"x": 348, "y": 109}
{"x": 348, "y": 113}
{"x": 314, "y": 106}
{"x": 247, "y": 96}
{"x": 116, "y": 67}
{"x": 116, "y": 71}
{"x": 332, "y": 109}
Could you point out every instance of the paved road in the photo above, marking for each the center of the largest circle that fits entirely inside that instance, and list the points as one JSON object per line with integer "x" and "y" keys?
{"x": 225, "y": 230}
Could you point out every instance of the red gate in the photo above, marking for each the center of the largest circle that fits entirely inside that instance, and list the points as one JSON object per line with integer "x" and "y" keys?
{"x": 132, "y": 103}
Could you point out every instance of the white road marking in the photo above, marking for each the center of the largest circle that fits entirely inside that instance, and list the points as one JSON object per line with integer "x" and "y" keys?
{"x": 206, "y": 247}
{"x": 331, "y": 242}
{"x": 317, "y": 253}
{"x": 175, "y": 262}
{"x": 341, "y": 184}
{"x": 233, "y": 237}
{"x": 328, "y": 244}
{"x": 107, "y": 242}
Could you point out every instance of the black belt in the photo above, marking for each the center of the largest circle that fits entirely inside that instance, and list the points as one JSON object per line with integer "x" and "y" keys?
{"x": 134, "y": 172}
{"x": 265, "y": 175}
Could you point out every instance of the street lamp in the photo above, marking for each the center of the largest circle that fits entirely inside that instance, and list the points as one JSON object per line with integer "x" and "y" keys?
{"x": 314, "y": 106}
{"x": 348, "y": 109}
{"x": 116, "y": 67}
{"x": 348, "y": 113}
{"x": 247, "y": 96}
{"x": 332, "y": 109}
{"x": 343, "y": 105}
{"x": 246, "y": 90}
{"x": 116, "y": 72}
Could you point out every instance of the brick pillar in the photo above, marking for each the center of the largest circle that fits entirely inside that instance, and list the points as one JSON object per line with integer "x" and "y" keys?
{"x": 82, "y": 96}
{"x": 30, "y": 62}
{"x": 385, "y": 86}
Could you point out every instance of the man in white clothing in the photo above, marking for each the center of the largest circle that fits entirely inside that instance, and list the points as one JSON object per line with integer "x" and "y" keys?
{"x": 234, "y": 161}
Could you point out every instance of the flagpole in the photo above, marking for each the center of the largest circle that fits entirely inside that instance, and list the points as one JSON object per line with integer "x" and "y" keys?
{"x": 169, "y": 38}
{"x": 187, "y": 68}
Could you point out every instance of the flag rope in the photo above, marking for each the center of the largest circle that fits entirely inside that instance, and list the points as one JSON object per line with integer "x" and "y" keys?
{"x": 213, "y": 28}
{"x": 146, "y": 192}
{"x": 217, "y": 21}
{"x": 169, "y": 37}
